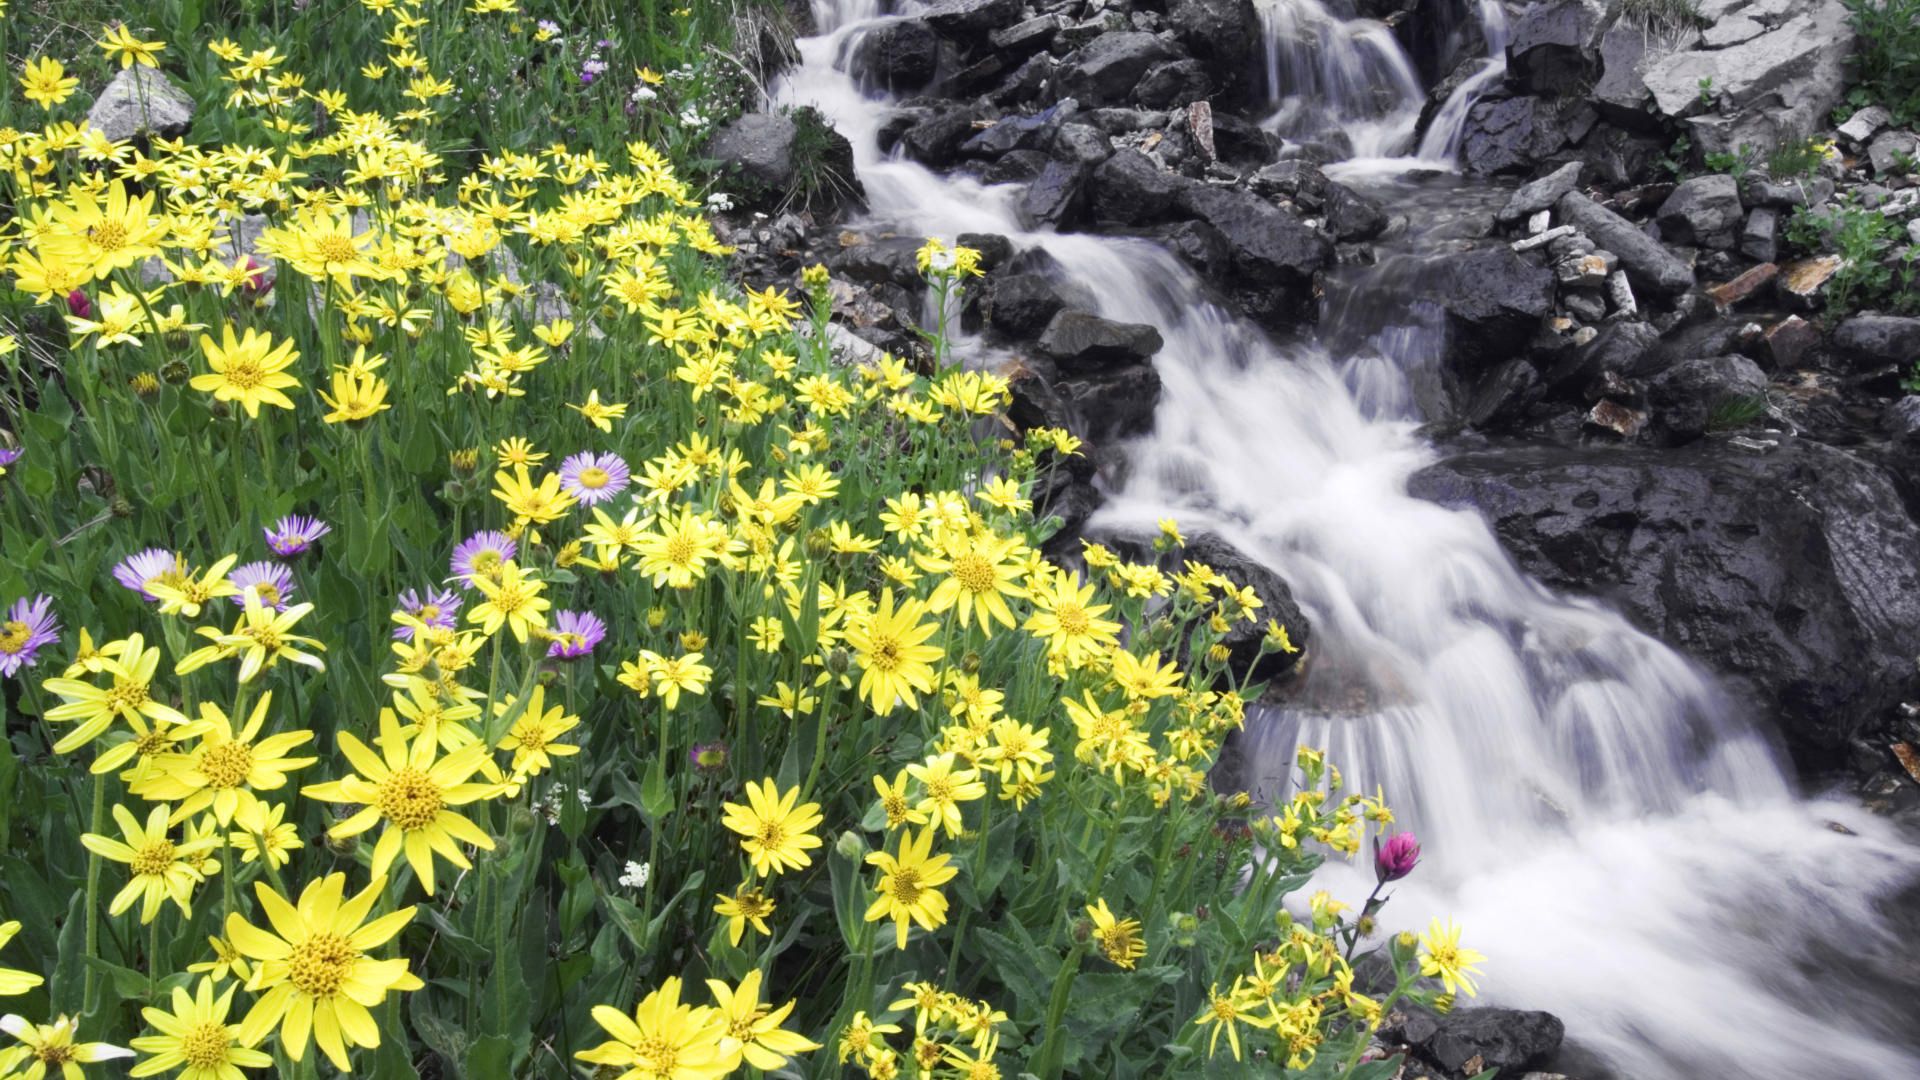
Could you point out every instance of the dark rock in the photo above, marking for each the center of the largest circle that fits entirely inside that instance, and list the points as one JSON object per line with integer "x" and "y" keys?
{"x": 1503, "y": 395}
{"x": 1628, "y": 350}
{"x": 1081, "y": 144}
{"x": 897, "y": 56}
{"x": 1760, "y": 240}
{"x": 1011, "y": 133}
{"x": 1620, "y": 93}
{"x": 1869, "y": 340}
{"x": 1015, "y": 167}
{"x": 1689, "y": 395}
{"x": 1795, "y": 573}
{"x": 1554, "y": 45}
{"x": 1116, "y": 403}
{"x": 879, "y": 259}
{"x": 1021, "y": 305}
{"x": 936, "y": 140}
{"x": 1513, "y": 135}
{"x": 1130, "y": 189}
{"x": 1224, "y": 33}
{"x": 995, "y": 250}
{"x": 1901, "y": 420}
{"x": 1174, "y": 85}
{"x": 1789, "y": 340}
{"x": 1056, "y": 198}
{"x": 1027, "y": 84}
{"x": 1537, "y": 195}
{"x": 1299, "y": 181}
{"x": 1036, "y": 33}
{"x": 1200, "y": 246}
{"x": 1115, "y": 122}
{"x": 1243, "y": 640}
{"x": 1648, "y": 264}
{"x": 1757, "y": 190}
{"x": 1352, "y": 216}
{"x": 1078, "y": 340}
{"x": 1704, "y": 211}
{"x": 1107, "y": 68}
{"x": 1468, "y": 1041}
{"x": 757, "y": 150}
{"x": 1492, "y": 300}
{"x": 957, "y": 18}
{"x": 1274, "y": 254}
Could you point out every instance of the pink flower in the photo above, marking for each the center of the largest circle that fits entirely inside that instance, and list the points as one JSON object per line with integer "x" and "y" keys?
{"x": 1396, "y": 858}
{"x": 78, "y": 305}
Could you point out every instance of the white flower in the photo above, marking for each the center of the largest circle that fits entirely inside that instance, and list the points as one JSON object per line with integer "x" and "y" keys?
{"x": 636, "y": 875}
{"x": 719, "y": 200}
{"x": 643, "y": 92}
{"x": 586, "y": 799}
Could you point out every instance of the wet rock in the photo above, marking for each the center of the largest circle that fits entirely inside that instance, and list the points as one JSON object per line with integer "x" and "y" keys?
{"x": 1270, "y": 248}
{"x": 1760, "y": 237}
{"x": 1129, "y": 188}
{"x": 1901, "y": 420}
{"x": 1503, "y": 396}
{"x": 1624, "y": 350}
{"x": 1553, "y": 48}
{"x": 971, "y": 17}
{"x": 1057, "y": 197}
{"x": 1615, "y": 418}
{"x": 1021, "y": 305}
{"x": 1174, "y": 85}
{"x": 1492, "y": 300}
{"x": 1078, "y": 340}
{"x": 1010, "y": 133}
{"x": 1301, "y": 182}
{"x": 1730, "y": 293}
{"x": 1352, "y": 216}
{"x": 1537, "y": 195}
{"x": 1114, "y": 403}
{"x": 1107, "y": 69}
{"x": 1871, "y": 340}
{"x": 934, "y": 140}
{"x": 1512, "y": 135}
{"x": 1688, "y": 396}
{"x": 1034, "y": 34}
{"x": 1469, "y": 1041}
{"x": 1081, "y": 144}
{"x": 898, "y": 56}
{"x": 1278, "y": 604}
{"x": 1795, "y": 573}
{"x": 1704, "y": 211}
{"x": 1224, "y": 33}
{"x": 1015, "y": 167}
{"x": 1772, "y": 89}
{"x": 1200, "y": 246}
{"x": 1648, "y": 263}
{"x": 1788, "y": 342}
{"x": 141, "y": 99}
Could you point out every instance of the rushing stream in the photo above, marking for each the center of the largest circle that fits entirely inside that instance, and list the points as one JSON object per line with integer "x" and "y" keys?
{"x": 1628, "y": 852}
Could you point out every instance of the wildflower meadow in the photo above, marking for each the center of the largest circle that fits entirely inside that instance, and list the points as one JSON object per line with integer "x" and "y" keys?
{"x": 448, "y": 628}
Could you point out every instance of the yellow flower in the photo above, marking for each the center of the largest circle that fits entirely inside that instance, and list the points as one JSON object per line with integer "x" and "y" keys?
{"x": 530, "y": 502}
{"x": 677, "y": 555}
{"x": 262, "y": 638}
{"x": 46, "y": 1047}
{"x": 663, "y": 1039}
{"x": 14, "y": 981}
{"x": 513, "y": 599}
{"x": 672, "y": 674}
{"x": 224, "y": 770}
{"x": 119, "y": 43}
{"x": 1119, "y": 939}
{"x": 1443, "y": 957}
{"x": 532, "y": 736}
{"x": 1069, "y": 621}
{"x": 753, "y": 1032}
{"x": 890, "y": 648}
{"x": 1144, "y": 678}
{"x": 315, "y": 969}
{"x": 160, "y": 869}
{"x": 128, "y": 696}
{"x": 264, "y": 833}
{"x": 943, "y": 789}
{"x": 978, "y": 575}
{"x": 900, "y": 810}
{"x": 777, "y": 833}
{"x": 196, "y": 1038}
{"x": 250, "y": 370}
{"x": 743, "y": 907}
{"x": 1226, "y": 1015}
{"x": 104, "y": 237}
{"x": 909, "y": 887}
{"x": 414, "y": 791}
{"x": 46, "y": 82}
{"x": 226, "y": 962}
{"x": 517, "y": 451}
{"x": 599, "y": 414}
{"x": 186, "y": 594}
{"x": 358, "y": 394}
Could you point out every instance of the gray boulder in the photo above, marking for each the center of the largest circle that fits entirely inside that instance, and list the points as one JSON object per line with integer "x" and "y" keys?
{"x": 1773, "y": 88}
{"x": 1466, "y": 1042}
{"x": 757, "y": 149}
{"x": 1079, "y": 340}
{"x": 1108, "y": 67}
{"x": 958, "y": 18}
{"x": 1647, "y": 262}
{"x": 1687, "y": 396}
{"x": 1873, "y": 340}
{"x": 141, "y": 100}
{"x": 1224, "y": 33}
{"x": 1537, "y": 195}
{"x": 897, "y": 56}
{"x": 1514, "y": 135}
{"x": 1553, "y": 48}
{"x": 1704, "y": 211}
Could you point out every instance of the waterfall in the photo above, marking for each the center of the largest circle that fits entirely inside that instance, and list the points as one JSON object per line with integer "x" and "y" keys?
{"x": 1626, "y": 850}
{"x": 1328, "y": 73}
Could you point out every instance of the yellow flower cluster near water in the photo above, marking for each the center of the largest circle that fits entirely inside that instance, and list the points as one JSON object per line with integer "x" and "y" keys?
{"x": 487, "y": 634}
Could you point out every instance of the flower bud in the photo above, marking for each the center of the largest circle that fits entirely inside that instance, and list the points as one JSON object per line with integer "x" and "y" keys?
{"x": 175, "y": 372}
{"x": 839, "y": 660}
{"x": 146, "y": 386}
{"x": 78, "y": 305}
{"x": 851, "y": 846}
{"x": 1396, "y": 858}
{"x": 708, "y": 758}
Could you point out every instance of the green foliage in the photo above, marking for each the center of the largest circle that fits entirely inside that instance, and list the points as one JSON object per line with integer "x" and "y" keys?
{"x": 1876, "y": 266}
{"x": 1798, "y": 160}
{"x": 1736, "y": 164}
{"x": 822, "y": 168}
{"x": 1887, "y": 66}
{"x": 1736, "y": 412}
{"x": 1676, "y": 160}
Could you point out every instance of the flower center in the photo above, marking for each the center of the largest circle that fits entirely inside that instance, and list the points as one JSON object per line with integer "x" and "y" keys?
{"x": 484, "y": 562}
{"x": 13, "y": 636}
{"x": 205, "y": 1045}
{"x": 657, "y": 1052}
{"x": 264, "y": 635}
{"x": 153, "y": 742}
{"x": 1073, "y": 618}
{"x": 940, "y": 789}
{"x": 974, "y": 573}
{"x": 244, "y": 374}
{"x": 126, "y": 697}
{"x": 429, "y": 612}
{"x": 772, "y": 836}
{"x": 227, "y": 764}
{"x": 154, "y": 859}
{"x": 594, "y": 477}
{"x": 336, "y": 249}
{"x": 680, "y": 550}
{"x": 53, "y": 1054}
{"x": 534, "y": 739}
{"x": 409, "y": 799}
{"x": 510, "y": 598}
{"x": 108, "y": 235}
{"x": 885, "y": 655}
{"x": 320, "y": 964}
{"x": 905, "y": 886}
{"x": 269, "y": 594}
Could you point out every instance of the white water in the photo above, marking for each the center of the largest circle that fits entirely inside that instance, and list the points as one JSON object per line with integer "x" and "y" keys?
{"x": 1627, "y": 854}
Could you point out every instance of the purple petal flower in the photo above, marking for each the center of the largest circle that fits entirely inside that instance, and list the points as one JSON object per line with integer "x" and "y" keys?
{"x": 574, "y": 634}
{"x": 594, "y": 478}
{"x": 708, "y": 757}
{"x": 139, "y": 570}
{"x": 1396, "y": 858}
{"x": 29, "y": 626}
{"x": 271, "y": 580}
{"x": 9, "y": 455}
{"x": 294, "y": 534}
{"x": 482, "y": 553}
{"x": 436, "y": 608}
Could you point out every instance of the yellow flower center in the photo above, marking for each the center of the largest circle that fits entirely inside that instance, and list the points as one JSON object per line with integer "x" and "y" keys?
{"x": 905, "y": 886}
{"x": 939, "y": 789}
{"x": 126, "y": 697}
{"x": 336, "y": 249}
{"x": 244, "y": 374}
{"x": 409, "y": 799}
{"x": 53, "y": 1054}
{"x": 885, "y": 655}
{"x": 772, "y": 835}
{"x": 264, "y": 635}
{"x": 896, "y": 806}
{"x": 429, "y": 612}
{"x": 318, "y": 965}
{"x": 227, "y": 764}
{"x": 681, "y": 550}
{"x": 485, "y": 562}
{"x": 594, "y": 477}
{"x": 13, "y": 636}
{"x": 205, "y": 1045}
{"x": 1073, "y": 618}
{"x": 658, "y": 1052}
{"x": 268, "y": 592}
{"x": 108, "y": 235}
{"x": 974, "y": 573}
{"x": 533, "y": 739}
{"x": 154, "y": 859}
{"x": 151, "y": 743}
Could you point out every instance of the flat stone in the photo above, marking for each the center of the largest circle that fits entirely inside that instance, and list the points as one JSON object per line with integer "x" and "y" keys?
{"x": 1537, "y": 195}
{"x": 1889, "y": 148}
{"x": 1731, "y": 32}
{"x": 1035, "y": 33}
{"x": 1789, "y": 340}
{"x": 1646, "y": 260}
{"x": 1866, "y": 123}
{"x": 1727, "y": 294}
{"x": 1800, "y": 282}
{"x": 1760, "y": 239}
{"x": 141, "y": 99}
{"x": 1081, "y": 340}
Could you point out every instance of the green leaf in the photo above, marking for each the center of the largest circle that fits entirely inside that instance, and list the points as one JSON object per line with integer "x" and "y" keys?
{"x": 492, "y": 1055}
{"x": 849, "y": 895}
{"x": 655, "y": 800}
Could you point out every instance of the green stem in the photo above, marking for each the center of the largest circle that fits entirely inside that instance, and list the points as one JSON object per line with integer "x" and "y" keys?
{"x": 97, "y": 824}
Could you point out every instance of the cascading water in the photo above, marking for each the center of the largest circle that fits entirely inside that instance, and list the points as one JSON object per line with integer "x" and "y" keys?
{"x": 1627, "y": 853}
{"x": 1326, "y": 73}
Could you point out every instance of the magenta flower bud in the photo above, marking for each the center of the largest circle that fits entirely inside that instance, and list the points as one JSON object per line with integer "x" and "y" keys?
{"x": 257, "y": 280}
{"x": 1396, "y": 858}
{"x": 78, "y": 305}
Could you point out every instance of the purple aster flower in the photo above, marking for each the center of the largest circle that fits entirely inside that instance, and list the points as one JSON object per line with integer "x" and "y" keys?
{"x": 482, "y": 553}
{"x": 294, "y": 534}
{"x": 29, "y": 625}
{"x": 574, "y": 634}
{"x": 436, "y": 607}
{"x": 9, "y": 455}
{"x": 271, "y": 580}
{"x": 708, "y": 757}
{"x": 594, "y": 478}
{"x": 139, "y": 570}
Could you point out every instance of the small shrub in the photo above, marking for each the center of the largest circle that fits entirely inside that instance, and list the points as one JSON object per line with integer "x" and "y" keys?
{"x": 1797, "y": 160}
{"x": 1737, "y": 164}
{"x": 1732, "y": 413}
{"x": 1867, "y": 242}
{"x": 1887, "y": 67}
